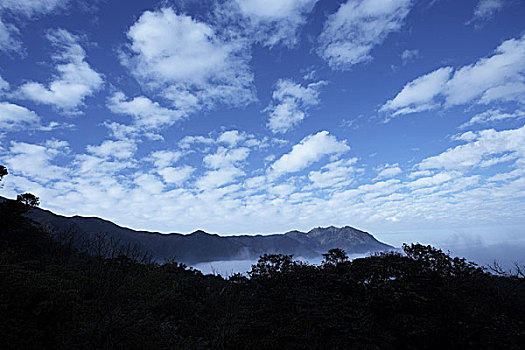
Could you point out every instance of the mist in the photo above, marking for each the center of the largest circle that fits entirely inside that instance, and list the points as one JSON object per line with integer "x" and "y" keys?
{"x": 226, "y": 268}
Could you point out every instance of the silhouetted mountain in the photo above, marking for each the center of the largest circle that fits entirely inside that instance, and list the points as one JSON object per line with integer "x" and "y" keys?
{"x": 199, "y": 246}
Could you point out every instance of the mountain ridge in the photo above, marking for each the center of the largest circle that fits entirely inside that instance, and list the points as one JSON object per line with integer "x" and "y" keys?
{"x": 200, "y": 246}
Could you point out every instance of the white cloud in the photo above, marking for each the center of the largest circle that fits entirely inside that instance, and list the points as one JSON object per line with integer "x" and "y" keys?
{"x": 4, "y": 85}
{"x": 76, "y": 79}
{"x": 419, "y": 173}
{"x": 290, "y": 103}
{"x": 225, "y": 158}
{"x": 231, "y": 137}
{"x": 434, "y": 180}
{"x": 146, "y": 114}
{"x": 419, "y": 94}
{"x": 14, "y": 117}
{"x": 479, "y": 80}
{"x": 388, "y": 171}
{"x": 492, "y": 115}
{"x": 35, "y": 161}
{"x": 486, "y": 9}
{"x": 188, "y": 141}
{"x": 164, "y": 158}
{"x": 188, "y": 62}
{"x": 102, "y": 165}
{"x": 409, "y": 55}
{"x": 310, "y": 150}
{"x": 113, "y": 149}
{"x": 500, "y": 77}
{"x": 149, "y": 184}
{"x": 282, "y": 190}
{"x": 275, "y": 21}
{"x": 177, "y": 175}
{"x": 29, "y": 8}
{"x": 32, "y": 7}
{"x": 8, "y": 41}
{"x": 487, "y": 146}
{"x": 335, "y": 174}
{"x": 350, "y": 34}
{"x": 217, "y": 178}
{"x": 118, "y": 190}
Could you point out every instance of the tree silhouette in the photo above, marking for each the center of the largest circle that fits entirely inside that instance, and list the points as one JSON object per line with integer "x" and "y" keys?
{"x": 3, "y": 172}
{"x": 335, "y": 256}
{"x": 28, "y": 199}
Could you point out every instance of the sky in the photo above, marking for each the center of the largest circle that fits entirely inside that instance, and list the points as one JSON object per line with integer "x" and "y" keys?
{"x": 404, "y": 118}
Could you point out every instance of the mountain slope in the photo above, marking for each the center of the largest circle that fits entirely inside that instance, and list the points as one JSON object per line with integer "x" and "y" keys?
{"x": 200, "y": 246}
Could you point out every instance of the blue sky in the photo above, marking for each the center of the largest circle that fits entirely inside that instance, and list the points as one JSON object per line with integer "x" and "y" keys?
{"x": 404, "y": 118}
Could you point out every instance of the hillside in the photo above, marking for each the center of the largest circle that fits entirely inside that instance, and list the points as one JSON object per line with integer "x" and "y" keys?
{"x": 55, "y": 297}
{"x": 200, "y": 246}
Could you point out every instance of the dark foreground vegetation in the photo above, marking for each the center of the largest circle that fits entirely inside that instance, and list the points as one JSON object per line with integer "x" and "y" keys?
{"x": 55, "y": 297}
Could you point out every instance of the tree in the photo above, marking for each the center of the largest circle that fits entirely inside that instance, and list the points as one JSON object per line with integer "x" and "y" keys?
{"x": 335, "y": 256}
{"x": 3, "y": 172}
{"x": 28, "y": 199}
{"x": 271, "y": 265}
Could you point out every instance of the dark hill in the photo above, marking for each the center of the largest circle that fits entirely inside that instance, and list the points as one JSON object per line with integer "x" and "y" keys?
{"x": 200, "y": 246}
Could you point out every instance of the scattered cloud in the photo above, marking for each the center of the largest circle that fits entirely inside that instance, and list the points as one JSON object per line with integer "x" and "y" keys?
{"x": 483, "y": 147}
{"x": 274, "y": 22}
{"x": 113, "y": 149}
{"x": 290, "y": 104}
{"x": 337, "y": 174}
{"x": 226, "y": 158}
{"x": 437, "y": 179}
{"x": 35, "y": 161}
{"x": 147, "y": 115}
{"x": 188, "y": 62}
{"x": 491, "y": 116}
{"x": 4, "y": 85}
{"x": 75, "y": 81}
{"x": 14, "y": 117}
{"x": 419, "y": 94}
{"x": 231, "y": 137}
{"x": 310, "y": 150}
{"x": 217, "y": 178}
{"x": 486, "y": 9}
{"x": 408, "y": 56}
{"x": 17, "y": 118}
{"x": 165, "y": 158}
{"x": 8, "y": 40}
{"x": 336, "y": 194}
{"x": 388, "y": 171}
{"x": 350, "y": 34}
{"x": 188, "y": 141}
{"x": 176, "y": 176}
{"x": 500, "y": 77}
{"x": 31, "y": 8}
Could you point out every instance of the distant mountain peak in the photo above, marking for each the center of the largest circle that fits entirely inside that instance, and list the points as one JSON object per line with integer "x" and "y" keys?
{"x": 200, "y": 232}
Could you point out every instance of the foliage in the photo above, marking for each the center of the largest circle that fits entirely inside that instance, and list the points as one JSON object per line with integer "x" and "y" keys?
{"x": 3, "y": 172}
{"x": 335, "y": 256}
{"x": 28, "y": 199}
{"x": 55, "y": 297}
